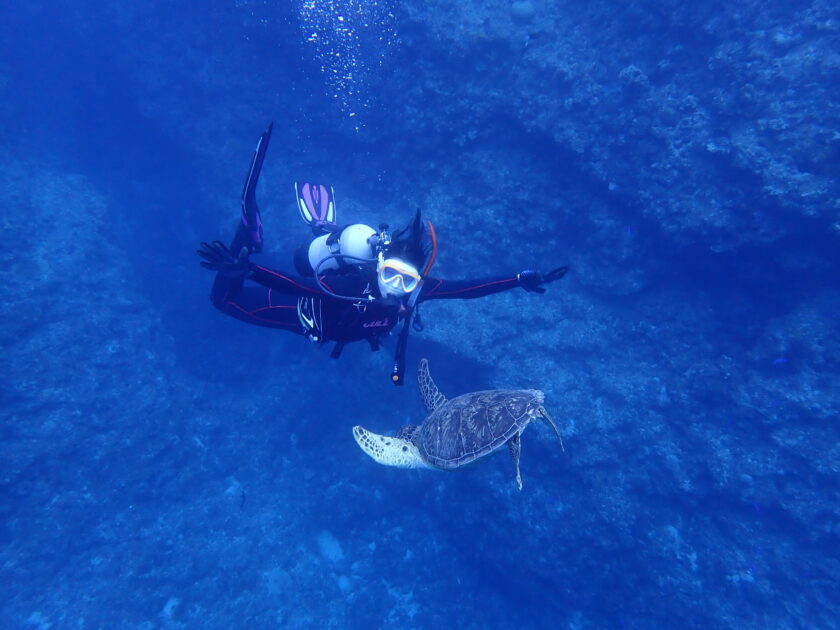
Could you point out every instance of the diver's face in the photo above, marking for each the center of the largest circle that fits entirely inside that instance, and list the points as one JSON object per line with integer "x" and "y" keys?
{"x": 397, "y": 277}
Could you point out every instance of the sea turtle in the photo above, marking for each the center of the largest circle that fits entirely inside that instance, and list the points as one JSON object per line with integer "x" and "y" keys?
{"x": 460, "y": 431}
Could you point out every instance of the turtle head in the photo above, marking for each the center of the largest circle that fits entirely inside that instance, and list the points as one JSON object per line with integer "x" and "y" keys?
{"x": 388, "y": 451}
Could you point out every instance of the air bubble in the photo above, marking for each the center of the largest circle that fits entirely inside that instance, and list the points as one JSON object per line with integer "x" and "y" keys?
{"x": 351, "y": 40}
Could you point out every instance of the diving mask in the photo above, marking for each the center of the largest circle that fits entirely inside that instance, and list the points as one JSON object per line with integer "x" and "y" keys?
{"x": 397, "y": 277}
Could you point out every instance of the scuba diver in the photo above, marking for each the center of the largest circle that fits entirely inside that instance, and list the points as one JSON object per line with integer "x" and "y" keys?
{"x": 353, "y": 283}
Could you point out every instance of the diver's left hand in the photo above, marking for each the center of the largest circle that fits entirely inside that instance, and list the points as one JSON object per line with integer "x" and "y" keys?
{"x": 532, "y": 280}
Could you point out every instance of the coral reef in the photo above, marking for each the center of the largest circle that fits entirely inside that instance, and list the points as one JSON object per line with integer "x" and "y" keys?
{"x": 163, "y": 467}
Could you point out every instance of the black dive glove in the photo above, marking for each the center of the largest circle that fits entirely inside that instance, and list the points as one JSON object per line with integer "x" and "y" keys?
{"x": 532, "y": 281}
{"x": 217, "y": 257}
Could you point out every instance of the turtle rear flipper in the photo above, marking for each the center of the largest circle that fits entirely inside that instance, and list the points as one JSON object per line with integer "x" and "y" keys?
{"x": 547, "y": 419}
{"x": 515, "y": 446}
{"x": 388, "y": 451}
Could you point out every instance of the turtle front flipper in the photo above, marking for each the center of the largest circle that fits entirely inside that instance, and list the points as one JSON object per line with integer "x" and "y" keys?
{"x": 389, "y": 451}
{"x": 515, "y": 446}
{"x": 432, "y": 398}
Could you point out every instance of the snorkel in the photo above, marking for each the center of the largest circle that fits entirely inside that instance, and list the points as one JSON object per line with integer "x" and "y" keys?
{"x": 398, "y": 371}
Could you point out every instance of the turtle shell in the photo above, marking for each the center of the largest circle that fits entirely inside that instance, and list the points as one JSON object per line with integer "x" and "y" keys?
{"x": 471, "y": 426}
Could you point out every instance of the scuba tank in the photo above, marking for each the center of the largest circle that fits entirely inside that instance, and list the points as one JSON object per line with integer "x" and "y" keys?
{"x": 350, "y": 244}
{"x": 352, "y": 247}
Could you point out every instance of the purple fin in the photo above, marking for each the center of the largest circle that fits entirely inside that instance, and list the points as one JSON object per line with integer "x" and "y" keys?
{"x": 315, "y": 202}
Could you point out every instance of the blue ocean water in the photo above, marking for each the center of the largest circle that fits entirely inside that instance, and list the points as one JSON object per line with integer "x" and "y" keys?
{"x": 166, "y": 466}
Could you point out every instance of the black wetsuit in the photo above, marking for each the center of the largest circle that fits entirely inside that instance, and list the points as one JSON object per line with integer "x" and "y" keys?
{"x": 274, "y": 299}
{"x": 271, "y": 298}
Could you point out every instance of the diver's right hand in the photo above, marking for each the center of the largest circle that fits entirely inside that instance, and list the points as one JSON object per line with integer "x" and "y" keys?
{"x": 217, "y": 257}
